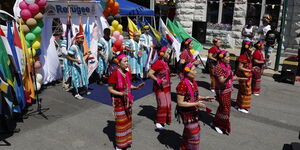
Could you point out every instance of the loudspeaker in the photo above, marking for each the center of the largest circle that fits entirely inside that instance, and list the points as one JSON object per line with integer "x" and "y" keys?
{"x": 199, "y": 31}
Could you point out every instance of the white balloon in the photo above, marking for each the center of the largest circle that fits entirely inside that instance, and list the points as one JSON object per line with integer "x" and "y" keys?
{"x": 30, "y": 1}
{"x": 38, "y": 86}
{"x": 39, "y": 78}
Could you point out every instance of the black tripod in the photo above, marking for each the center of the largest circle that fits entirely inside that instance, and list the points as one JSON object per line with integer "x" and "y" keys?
{"x": 39, "y": 109}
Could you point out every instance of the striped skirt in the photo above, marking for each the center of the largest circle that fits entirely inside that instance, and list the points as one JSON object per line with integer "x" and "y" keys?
{"x": 256, "y": 80}
{"x": 244, "y": 95}
{"x": 212, "y": 78}
{"x": 191, "y": 137}
{"x": 123, "y": 126}
{"x": 164, "y": 111}
{"x": 222, "y": 116}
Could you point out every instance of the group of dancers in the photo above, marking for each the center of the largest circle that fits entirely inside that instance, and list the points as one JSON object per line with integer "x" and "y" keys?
{"x": 122, "y": 67}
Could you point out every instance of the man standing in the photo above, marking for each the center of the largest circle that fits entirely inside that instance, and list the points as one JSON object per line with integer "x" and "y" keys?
{"x": 271, "y": 40}
{"x": 147, "y": 44}
{"x": 105, "y": 49}
{"x": 248, "y": 34}
{"x": 263, "y": 30}
{"x": 79, "y": 68}
{"x": 133, "y": 48}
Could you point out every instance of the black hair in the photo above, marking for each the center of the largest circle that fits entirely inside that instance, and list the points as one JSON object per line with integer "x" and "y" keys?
{"x": 256, "y": 44}
{"x": 273, "y": 26}
{"x": 218, "y": 55}
{"x": 106, "y": 30}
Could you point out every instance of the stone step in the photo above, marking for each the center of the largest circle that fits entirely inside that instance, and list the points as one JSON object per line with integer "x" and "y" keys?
{"x": 287, "y": 54}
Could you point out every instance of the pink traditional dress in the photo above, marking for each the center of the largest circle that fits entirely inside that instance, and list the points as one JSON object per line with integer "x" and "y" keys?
{"x": 122, "y": 107}
{"x": 245, "y": 92}
{"x": 257, "y": 71}
{"x": 223, "y": 96}
{"x": 189, "y": 115}
{"x": 188, "y": 57}
{"x": 162, "y": 90}
{"x": 211, "y": 64}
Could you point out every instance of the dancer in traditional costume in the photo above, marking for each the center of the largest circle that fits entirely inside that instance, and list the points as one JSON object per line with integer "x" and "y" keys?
{"x": 188, "y": 104}
{"x": 224, "y": 77}
{"x": 133, "y": 48}
{"x": 147, "y": 45}
{"x": 105, "y": 48}
{"x": 120, "y": 88}
{"x": 245, "y": 70}
{"x": 67, "y": 68}
{"x": 258, "y": 61}
{"x": 160, "y": 73}
{"x": 212, "y": 61}
{"x": 79, "y": 67}
{"x": 186, "y": 55}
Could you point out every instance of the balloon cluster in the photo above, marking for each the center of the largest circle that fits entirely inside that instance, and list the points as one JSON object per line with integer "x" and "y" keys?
{"x": 115, "y": 26}
{"x": 32, "y": 24}
{"x": 111, "y": 8}
{"x": 39, "y": 79}
{"x": 118, "y": 44}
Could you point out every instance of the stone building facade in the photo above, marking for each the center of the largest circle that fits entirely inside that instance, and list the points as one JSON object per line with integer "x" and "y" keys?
{"x": 189, "y": 11}
{"x": 292, "y": 28}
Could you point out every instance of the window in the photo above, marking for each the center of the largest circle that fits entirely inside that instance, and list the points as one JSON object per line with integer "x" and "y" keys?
{"x": 213, "y": 11}
{"x": 227, "y": 13}
{"x": 220, "y": 14}
{"x": 257, "y": 8}
{"x": 253, "y": 12}
{"x": 273, "y": 9}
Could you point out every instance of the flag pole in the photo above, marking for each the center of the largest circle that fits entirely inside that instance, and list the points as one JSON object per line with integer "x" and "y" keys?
{"x": 39, "y": 100}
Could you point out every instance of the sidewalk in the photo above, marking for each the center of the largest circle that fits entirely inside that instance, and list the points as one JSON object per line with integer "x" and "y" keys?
{"x": 267, "y": 72}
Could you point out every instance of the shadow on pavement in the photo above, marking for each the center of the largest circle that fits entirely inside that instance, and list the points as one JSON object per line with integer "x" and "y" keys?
{"x": 287, "y": 147}
{"x": 286, "y": 78}
{"x": 109, "y": 130}
{"x": 206, "y": 118}
{"x": 236, "y": 86}
{"x": 233, "y": 103}
{"x": 204, "y": 84}
{"x": 170, "y": 139}
{"x": 148, "y": 111}
{"x": 174, "y": 97}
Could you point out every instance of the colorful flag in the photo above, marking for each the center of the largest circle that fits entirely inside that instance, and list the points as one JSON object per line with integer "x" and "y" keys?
{"x": 18, "y": 48}
{"x": 5, "y": 71}
{"x": 132, "y": 28}
{"x": 27, "y": 79}
{"x": 18, "y": 84}
{"x": 174, "y": 30}
{"x": 87, "y": 33}
{"x": 93, "y": 60}
{"x": 69, "y": 32}
{"x": 4, "y": 60}
{"x": 168, "y": 35}
{"x": 184, "y": 35}
{"x": 85, "y": 45}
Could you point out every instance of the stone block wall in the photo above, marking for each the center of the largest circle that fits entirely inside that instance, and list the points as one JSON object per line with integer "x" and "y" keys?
{"x": 188, "y": 11}
{"x": 292, "y": 27}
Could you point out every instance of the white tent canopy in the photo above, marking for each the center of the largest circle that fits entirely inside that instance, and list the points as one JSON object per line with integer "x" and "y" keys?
{"x": 51, "y": 69}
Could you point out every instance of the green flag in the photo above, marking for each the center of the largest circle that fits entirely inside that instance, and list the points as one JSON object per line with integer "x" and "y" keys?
{"x": 174, "y": 30}
{"x": 4, "y": 61}
{"x": 184, "y": 35}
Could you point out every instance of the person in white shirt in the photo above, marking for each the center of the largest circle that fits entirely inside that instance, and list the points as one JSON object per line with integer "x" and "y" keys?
{"x": 248, "y": 34}
{"x": 263, "y": 30}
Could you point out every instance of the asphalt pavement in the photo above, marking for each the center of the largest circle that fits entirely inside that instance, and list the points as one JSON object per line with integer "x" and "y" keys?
{"x": 272, "y": 124}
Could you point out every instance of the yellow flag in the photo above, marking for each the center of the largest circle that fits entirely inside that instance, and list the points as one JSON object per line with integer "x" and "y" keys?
{"x": 27, "y": 79}
{"x": 132, "y": 28}
{"x": 156, "y": 33}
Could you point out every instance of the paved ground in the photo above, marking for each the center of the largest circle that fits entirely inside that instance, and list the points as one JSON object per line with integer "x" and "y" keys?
{"x": 273, "y": 123}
